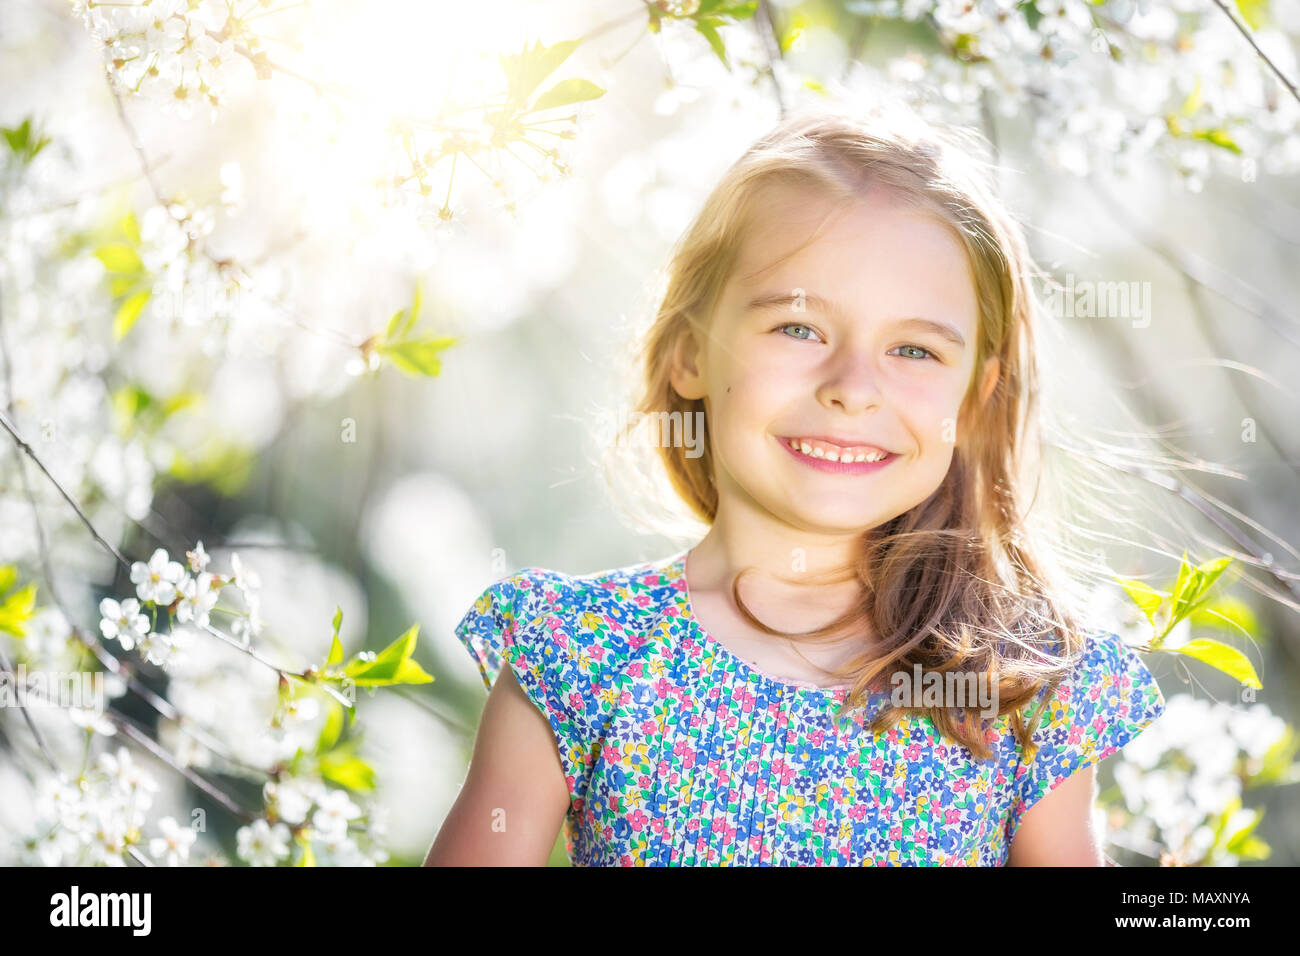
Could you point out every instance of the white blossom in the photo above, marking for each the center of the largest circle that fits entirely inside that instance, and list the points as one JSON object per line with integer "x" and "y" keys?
{"x": 157, "y": 580}
{"x": 123, "y": 622}
{"x": 261, "y": 844}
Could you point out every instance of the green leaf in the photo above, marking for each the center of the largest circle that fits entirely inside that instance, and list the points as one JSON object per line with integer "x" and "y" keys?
{"x": 1192, "y": 585}
{"x": 1277, "y": 767}
{"x": 21, "y": 143}
{"x": 526, "y": 70}
{"x": 417, "y": 356}
{"x": 8, "y": 575}
{"x": 336, "y": 647}
{"x": 225, "y": 466}
{"x": 417, "y": 299}
{"x": 329, "y": 734}
{"x": 122, "y": 284}
{"x": 1254, "y": 12}
{"x": 119, "y": 257}
{"x": 17, "y": 609}
{"x": 393, "y": 665}
{"x": 708, "y": 29}
{"x": 1218, "y": 137}
{"x": 566, "y": 92}
{"x": 342, "y": 766}
{"x": 1146, "y": 597}
{"x": 1243, "y": 844}
{"x": 129, "y": 228}
{"x": 1227, "y": 614}
{"x": 308, "y": 857}
{"x": 394, "y": 324}
{"x": 1221, "y": 657}
{"x": 727, "y": 8}
{"x": 128, "y": 312}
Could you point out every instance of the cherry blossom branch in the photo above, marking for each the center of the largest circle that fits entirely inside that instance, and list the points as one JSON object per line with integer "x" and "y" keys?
{"x": 767, "y": 36}
{"x": 1251, "y": 40}
{"x": 1243, "y": 296}
{"x": 149, "y": 744}
{"x": 9, "y": 427}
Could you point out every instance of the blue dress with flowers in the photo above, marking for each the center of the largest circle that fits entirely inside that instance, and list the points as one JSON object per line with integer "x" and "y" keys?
{"x": 678, "y": 753}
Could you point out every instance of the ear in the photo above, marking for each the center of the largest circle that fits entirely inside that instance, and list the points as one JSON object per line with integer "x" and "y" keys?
{"x": 684, "y": 372}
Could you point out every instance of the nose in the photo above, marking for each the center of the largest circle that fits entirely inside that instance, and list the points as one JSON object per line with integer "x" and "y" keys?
{"x": 851, "y": 384}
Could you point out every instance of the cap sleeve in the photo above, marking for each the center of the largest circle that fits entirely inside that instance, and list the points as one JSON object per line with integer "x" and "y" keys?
{"x": 510, "y": 622}
{"x": 1102, "y": 703}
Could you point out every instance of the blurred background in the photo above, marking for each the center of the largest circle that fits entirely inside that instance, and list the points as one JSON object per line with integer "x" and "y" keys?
{"x": 335, "y": 288}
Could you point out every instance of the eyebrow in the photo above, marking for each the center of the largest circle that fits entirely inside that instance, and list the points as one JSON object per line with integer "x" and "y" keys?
{"x": 778, "y": 300}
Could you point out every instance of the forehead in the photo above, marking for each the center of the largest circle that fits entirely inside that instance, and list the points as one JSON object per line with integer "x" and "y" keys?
{"x": 874, "y": 255}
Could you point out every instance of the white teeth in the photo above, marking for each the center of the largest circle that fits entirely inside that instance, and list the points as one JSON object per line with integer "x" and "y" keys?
{"x": 813, "y": 452}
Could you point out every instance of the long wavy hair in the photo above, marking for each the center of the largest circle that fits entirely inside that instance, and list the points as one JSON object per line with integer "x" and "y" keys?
{"x": 966, "y": 581}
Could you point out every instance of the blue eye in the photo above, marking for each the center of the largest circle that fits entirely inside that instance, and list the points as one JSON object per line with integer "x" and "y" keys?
{"x": 807, "y": 328}
{"x": 920, "y": 349}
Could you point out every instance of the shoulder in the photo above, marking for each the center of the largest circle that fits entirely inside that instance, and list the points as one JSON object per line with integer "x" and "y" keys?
{"x": 590, "y": 619}
{"x": 1107, "y": 680}
{"x": 622, "y": 592}
{"x": 1106, "y": 697}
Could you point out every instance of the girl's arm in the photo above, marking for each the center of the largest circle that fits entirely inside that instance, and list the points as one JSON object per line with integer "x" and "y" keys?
{"x": 515, "y": 796}
{"x": 1058, "y": 829}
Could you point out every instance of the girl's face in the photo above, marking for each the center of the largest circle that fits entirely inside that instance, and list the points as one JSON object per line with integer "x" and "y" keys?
{"x": 864, "y": 337}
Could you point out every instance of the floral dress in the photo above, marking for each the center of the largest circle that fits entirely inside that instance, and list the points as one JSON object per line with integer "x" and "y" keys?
{"x": 678, "y": 753}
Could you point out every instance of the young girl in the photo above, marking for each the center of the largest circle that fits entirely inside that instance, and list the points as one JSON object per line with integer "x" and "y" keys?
{"x": 852, "y": 319}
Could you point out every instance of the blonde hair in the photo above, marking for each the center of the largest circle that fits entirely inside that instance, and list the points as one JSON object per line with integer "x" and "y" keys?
{"x": 963, "y": 581}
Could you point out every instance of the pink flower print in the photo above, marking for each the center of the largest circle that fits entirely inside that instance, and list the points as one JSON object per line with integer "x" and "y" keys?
{"x": 755, "y": 841}
{"x": 952, "y": 816}
{"x": 820, "y": 825}
{"x": 960, "y": 785}
{"x": 854, "y": 759}
{"x": 818, "y": 737}
{"x": 913, "y": 752}
{"x": 642, "y": 600}
{"x": 1099, "y": 723}
{"x": 576, "y": 702}
{"x": 637, "y": 820}
{"x": 877, "y": 764}
{"x": 663, "y": 687}
{"x": 648, "y": 727}
{"x": 728, "y": 832}
{"x": 597, "y": 652}
{"x": 1076, "y": 734}
{"x": 857, "y": 812}
{"x": 896, "y": 833}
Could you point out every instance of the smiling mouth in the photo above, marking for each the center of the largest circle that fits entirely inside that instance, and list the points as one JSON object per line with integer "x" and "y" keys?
{"x": 853, "y": 454}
